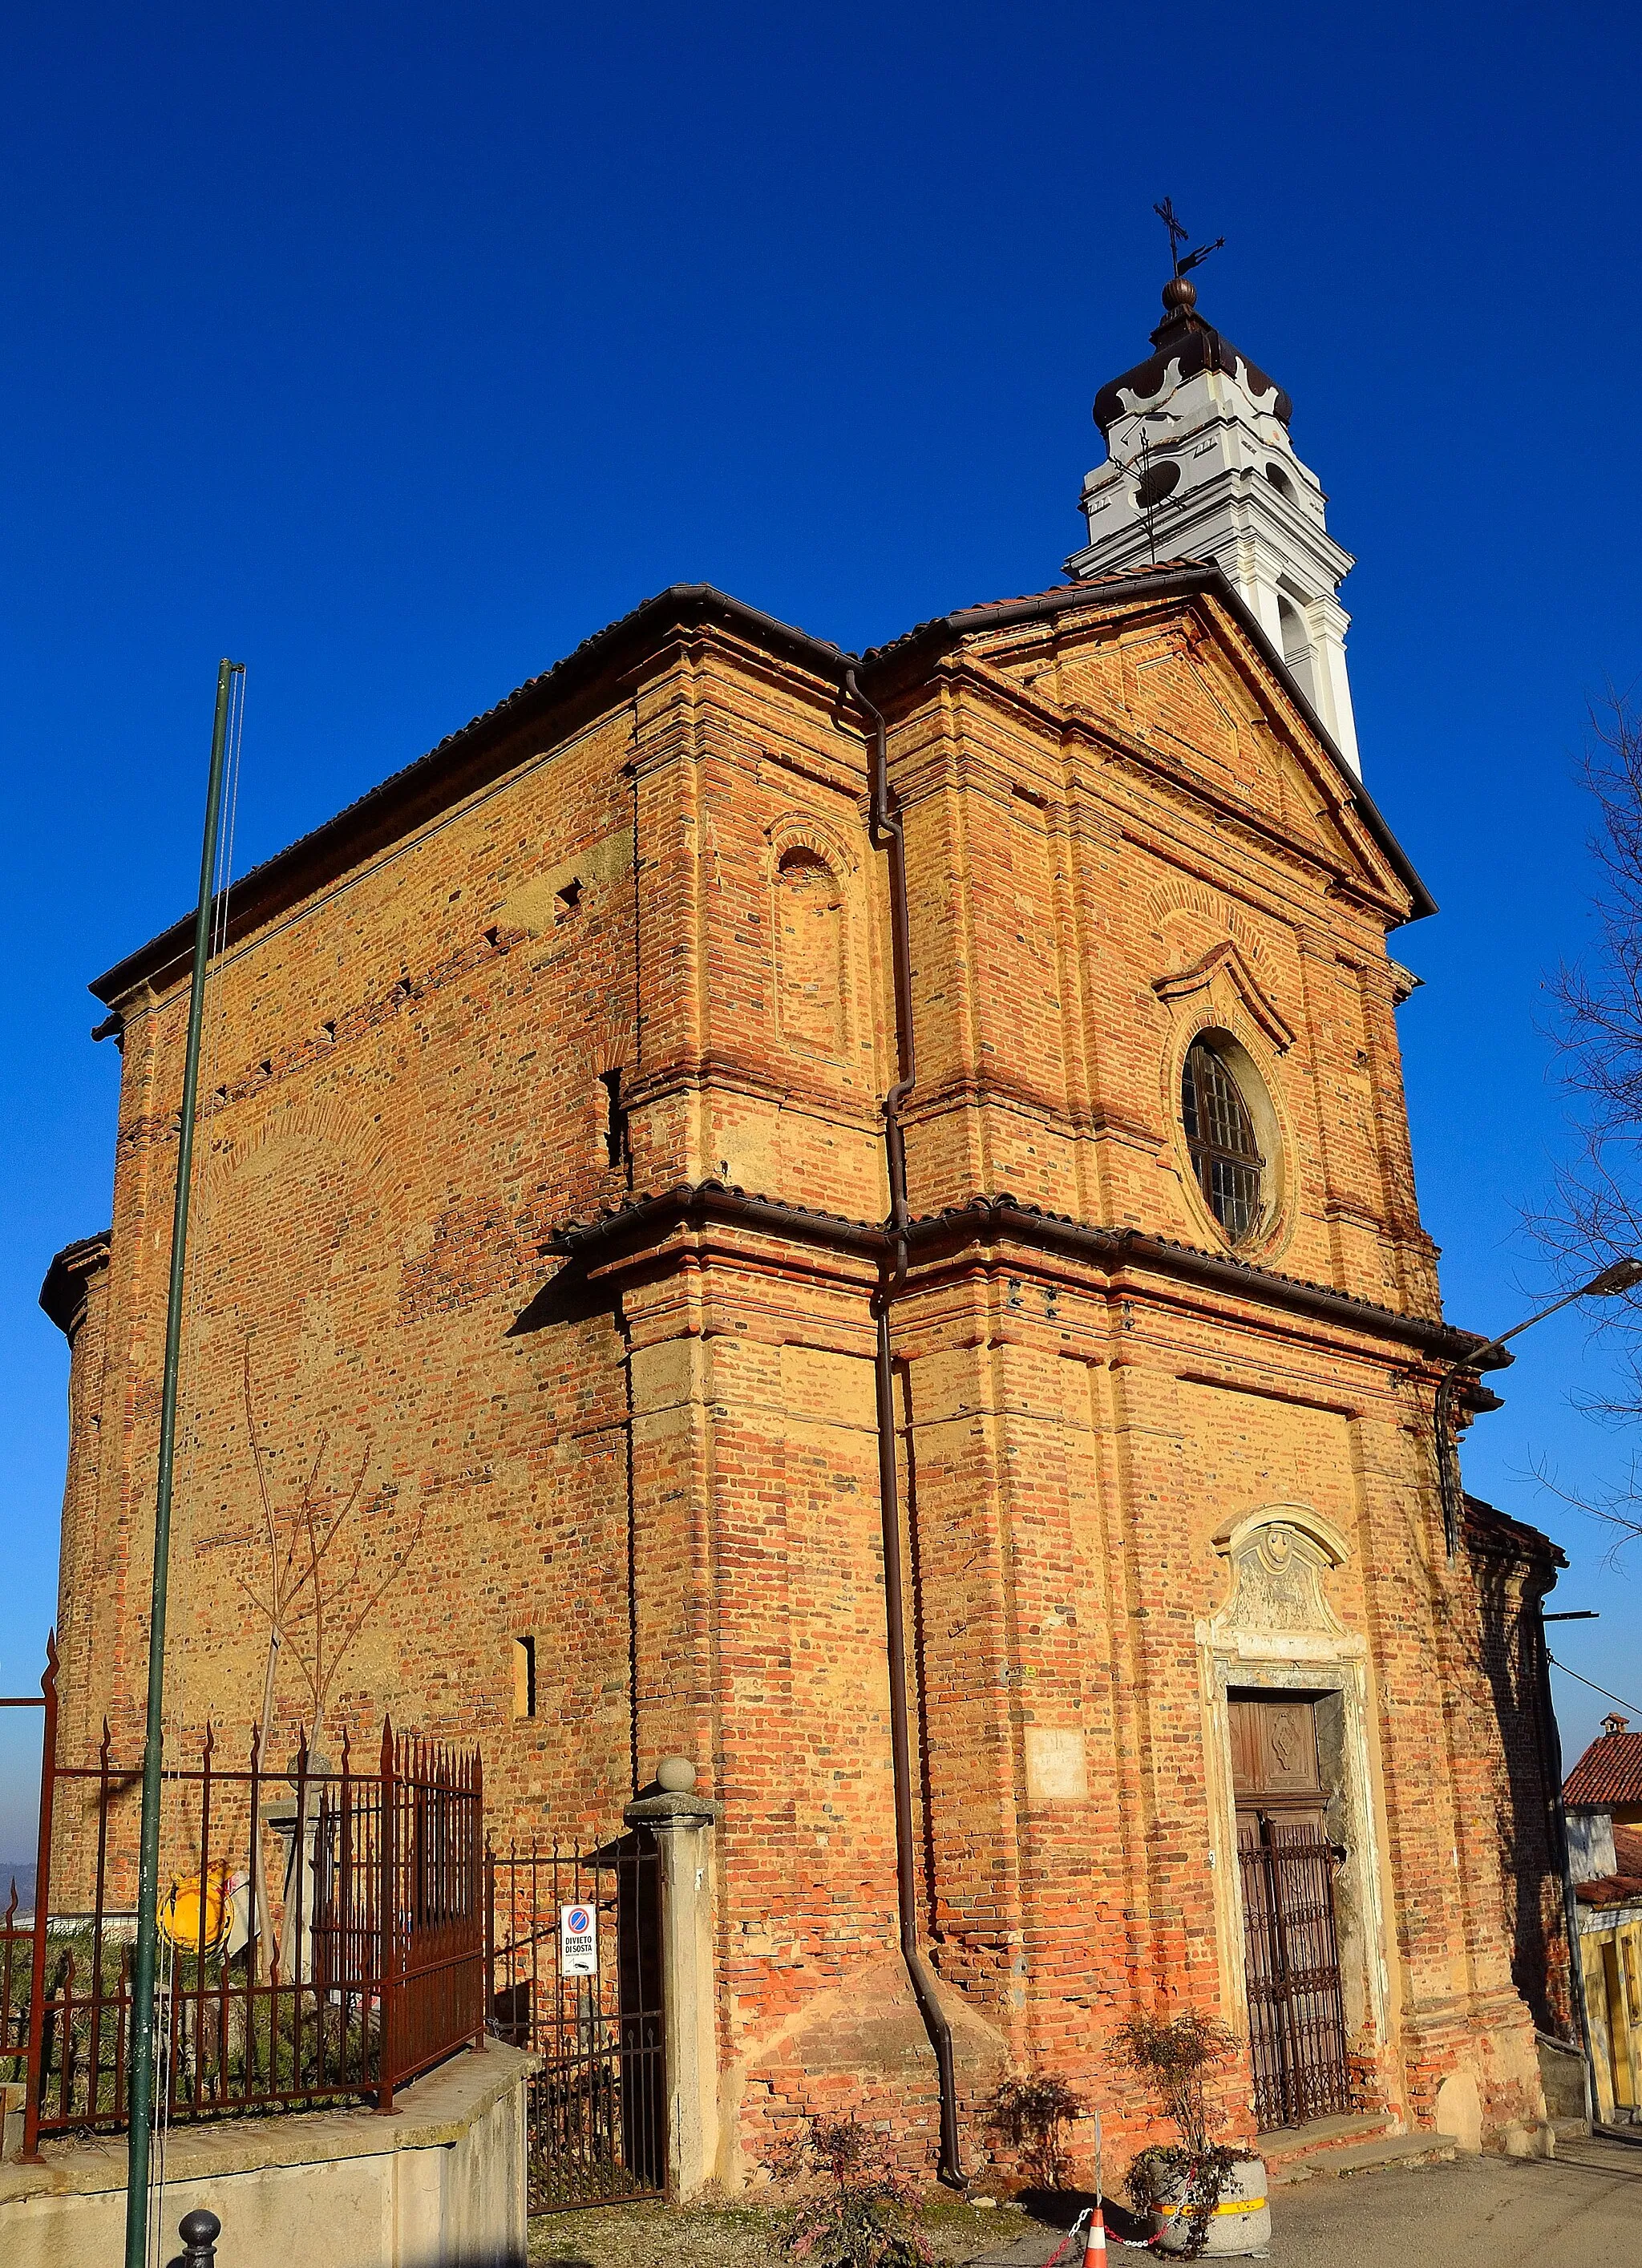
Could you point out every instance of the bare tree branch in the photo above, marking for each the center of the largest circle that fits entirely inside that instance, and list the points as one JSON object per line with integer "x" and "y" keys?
{"x": 308, "y": 1588}
{"x": 1594, "y": 1213}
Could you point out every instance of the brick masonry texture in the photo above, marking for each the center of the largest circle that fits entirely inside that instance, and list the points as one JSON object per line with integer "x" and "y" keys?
{"x": 658, "y": 1458}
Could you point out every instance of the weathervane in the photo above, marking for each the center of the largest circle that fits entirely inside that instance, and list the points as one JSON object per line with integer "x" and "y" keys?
{"x": 1178, "y": 234}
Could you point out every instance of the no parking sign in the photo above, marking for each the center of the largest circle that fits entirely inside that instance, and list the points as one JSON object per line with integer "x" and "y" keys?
{"x": 578, "y": 1941}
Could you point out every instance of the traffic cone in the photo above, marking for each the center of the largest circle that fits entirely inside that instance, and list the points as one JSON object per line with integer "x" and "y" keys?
{"x": 1094, "y": 2241}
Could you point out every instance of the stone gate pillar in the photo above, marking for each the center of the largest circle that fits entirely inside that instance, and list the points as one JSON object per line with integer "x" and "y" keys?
{"x": 682, "y": 1824}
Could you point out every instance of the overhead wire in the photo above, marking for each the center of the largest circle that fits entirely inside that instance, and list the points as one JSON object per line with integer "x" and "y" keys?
{"x": 1592, "y": 1682}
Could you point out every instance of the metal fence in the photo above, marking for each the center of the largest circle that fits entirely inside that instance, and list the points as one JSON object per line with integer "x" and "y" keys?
{"x": 322, "y": 1931}
{"x": 1296, "y": 2012}
{"x": 597, "y": 2107}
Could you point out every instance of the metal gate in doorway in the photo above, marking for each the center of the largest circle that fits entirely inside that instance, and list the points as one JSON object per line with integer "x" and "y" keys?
{"x": 1296, "y": 2014}
{"x": 575, "y": 1978}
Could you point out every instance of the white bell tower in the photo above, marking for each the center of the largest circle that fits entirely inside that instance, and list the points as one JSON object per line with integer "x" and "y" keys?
{"x": 1200, "y": 466}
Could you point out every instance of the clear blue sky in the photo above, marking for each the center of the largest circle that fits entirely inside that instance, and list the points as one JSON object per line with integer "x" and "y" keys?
{"x": 393, "y": 350}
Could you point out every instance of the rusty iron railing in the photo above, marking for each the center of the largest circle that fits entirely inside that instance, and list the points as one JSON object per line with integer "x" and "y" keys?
{"x": 23, "y": 1944}
{"x": 323, "y": 1931}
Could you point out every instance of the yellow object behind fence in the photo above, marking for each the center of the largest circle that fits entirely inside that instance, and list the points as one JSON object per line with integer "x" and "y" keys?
{"x": 181, "y": 1912}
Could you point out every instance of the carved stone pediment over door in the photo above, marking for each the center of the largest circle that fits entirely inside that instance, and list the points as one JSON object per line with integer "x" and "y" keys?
{"x": 1279, "y": 1608}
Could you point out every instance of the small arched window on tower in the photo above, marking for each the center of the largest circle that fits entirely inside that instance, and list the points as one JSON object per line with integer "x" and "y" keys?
{"x": 810, "y": 948}
{"x": 1220, "y": 1140}
{"x": 1280, "y": 481}
{"x": 1297, "y": 646}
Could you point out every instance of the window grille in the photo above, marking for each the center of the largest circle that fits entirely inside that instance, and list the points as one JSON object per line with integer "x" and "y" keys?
{"x": 1220, "y": 1136}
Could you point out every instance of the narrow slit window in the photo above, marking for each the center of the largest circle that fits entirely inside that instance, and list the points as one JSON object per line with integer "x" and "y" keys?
{"x": 524, "y": 1676}
{"x": 1221, "y": 1138}
{"x": 617, "y": 1141}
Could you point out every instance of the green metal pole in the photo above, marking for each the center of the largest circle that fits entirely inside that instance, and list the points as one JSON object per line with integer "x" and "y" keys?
{"x": 141, "y": 2102}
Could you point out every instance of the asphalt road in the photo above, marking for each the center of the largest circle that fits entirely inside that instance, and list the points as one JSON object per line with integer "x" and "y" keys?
{"x": 1582, "y": 2209}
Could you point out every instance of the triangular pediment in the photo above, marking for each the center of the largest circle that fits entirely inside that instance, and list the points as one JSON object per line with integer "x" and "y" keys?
{"x": 1226, "y": 961}
{"x": 1187, "y": 675}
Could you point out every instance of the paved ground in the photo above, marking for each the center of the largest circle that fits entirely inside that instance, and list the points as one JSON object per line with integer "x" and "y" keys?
{"x": 1581, "y": 2210}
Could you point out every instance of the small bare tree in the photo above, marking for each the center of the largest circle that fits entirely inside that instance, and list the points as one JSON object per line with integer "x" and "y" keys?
{"x": 315, "y": 1599}
{"x": 1594, "y": 1216}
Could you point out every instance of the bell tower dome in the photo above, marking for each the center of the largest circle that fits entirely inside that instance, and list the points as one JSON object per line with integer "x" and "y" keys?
{"x": 1200, "y": 466}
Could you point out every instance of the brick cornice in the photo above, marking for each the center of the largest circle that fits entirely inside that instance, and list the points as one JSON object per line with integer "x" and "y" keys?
{"x": 693, "y": 618}
{"x": 631, "y": 1232}
{"x": 477, "y": 754}
{"x": 67, "y": 1288}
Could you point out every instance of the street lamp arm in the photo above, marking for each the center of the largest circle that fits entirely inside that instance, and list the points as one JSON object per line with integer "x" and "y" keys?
{"x": 1476, "y": 1360}
{"x": 1621, "y": 1276}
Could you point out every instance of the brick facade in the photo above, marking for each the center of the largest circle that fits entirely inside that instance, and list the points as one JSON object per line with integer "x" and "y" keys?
{"x": 1516, "y": 1566}
{"x": 592, "y": 1394}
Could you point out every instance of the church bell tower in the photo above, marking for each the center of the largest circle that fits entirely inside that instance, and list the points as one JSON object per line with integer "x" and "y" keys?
{"x": 1200, "y": 466}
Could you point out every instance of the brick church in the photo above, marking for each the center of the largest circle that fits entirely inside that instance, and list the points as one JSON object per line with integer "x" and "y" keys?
{"x": 850, "y": 1219}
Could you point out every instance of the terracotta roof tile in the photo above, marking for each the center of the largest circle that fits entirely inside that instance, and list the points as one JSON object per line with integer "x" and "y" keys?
{"x": 1492, "y": 1531}
{"x": 1610, "y": 1890}
{"x": 1610, "y": 1770}
{"x": 1058, "y": 594}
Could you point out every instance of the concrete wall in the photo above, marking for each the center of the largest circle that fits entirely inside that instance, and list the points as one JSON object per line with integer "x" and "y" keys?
{"x": 438, "y": 2183}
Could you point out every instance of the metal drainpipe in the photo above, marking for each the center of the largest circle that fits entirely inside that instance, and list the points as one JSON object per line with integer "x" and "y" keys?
{"x": 887, "y": 834}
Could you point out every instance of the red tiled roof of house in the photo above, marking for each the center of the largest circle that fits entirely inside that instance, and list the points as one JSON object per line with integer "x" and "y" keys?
{"x": 1627, "y": 1849}
{"x": 1610, "y": 1770}
{"x": 1611, "y": 1891}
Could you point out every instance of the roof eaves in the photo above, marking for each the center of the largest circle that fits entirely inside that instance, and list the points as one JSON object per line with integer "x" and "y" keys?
{"x": 396, "y": 806}
{"x": 1609, "y": 1772}
{"x": 1122, "y": 1247}
{"x": 657, "y": 1211}
{"x": 62, "y": 1294}
{"x": 1493, "y": 1529}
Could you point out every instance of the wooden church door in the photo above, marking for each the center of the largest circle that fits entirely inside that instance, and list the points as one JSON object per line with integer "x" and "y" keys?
{"x": 1296, "y": 2014}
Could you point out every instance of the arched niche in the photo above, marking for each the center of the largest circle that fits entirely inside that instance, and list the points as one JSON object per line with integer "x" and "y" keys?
{"x": 811, "y": 950}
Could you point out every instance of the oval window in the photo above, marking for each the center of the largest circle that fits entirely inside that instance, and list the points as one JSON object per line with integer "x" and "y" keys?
{"x": 1220, "y": 1139}
{"x": 1156, "y": 482}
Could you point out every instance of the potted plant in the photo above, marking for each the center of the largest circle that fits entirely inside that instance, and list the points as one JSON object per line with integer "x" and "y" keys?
{"x": 1205, "y": 2198}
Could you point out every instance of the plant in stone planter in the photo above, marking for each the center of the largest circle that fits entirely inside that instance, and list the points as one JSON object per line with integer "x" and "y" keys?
{"x": 857, "y": 2215}
{"x": 1207, "y": 2198}
{"x": 1032, "y": 2115}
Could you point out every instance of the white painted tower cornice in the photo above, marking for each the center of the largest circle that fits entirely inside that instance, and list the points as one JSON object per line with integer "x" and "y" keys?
{"x": 1200, "y": 466}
